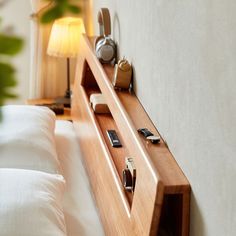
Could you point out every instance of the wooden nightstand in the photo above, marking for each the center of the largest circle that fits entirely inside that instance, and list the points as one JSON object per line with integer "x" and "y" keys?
{"x": 65, "y": 116}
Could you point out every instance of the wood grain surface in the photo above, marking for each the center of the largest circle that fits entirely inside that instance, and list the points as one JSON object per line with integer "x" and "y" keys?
{"x": 158, "y": 174}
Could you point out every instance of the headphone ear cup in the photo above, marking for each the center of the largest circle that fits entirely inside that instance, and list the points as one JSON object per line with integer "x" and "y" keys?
{"x": 98, "y": 46}
{"x": 97, "y": 40}
{"x": 105, "y": 50}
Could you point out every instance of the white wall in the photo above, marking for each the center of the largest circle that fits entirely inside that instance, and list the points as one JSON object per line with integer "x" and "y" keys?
{"x": 16, "y": 13}
{"x": 184, "y": 56}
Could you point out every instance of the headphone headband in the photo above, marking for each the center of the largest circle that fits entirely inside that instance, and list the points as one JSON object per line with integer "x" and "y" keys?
{"x": 104, "y": 22}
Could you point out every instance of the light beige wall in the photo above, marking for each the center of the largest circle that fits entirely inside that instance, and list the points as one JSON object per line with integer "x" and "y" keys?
{"x": 184, "y": 56}
{"x": 15, "y": 13}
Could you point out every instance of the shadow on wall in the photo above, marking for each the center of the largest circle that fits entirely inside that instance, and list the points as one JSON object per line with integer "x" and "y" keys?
{"x": 195, "y": 213}
{"x": 116, "y": 33}
{"x": 196, "y": 217}
{"x": 117, "y": 38}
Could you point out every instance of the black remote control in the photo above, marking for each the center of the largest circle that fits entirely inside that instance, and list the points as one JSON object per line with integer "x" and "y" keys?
{"x": 145, "y": 132}
{"x": 149, "y": 135}
{"x": 112, "y": 135}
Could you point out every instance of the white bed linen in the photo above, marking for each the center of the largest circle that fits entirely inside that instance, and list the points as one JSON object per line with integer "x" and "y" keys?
{"x": 31, "y": 203}
{"x": 79, "y": 208}
{"x": 27, "y": 139}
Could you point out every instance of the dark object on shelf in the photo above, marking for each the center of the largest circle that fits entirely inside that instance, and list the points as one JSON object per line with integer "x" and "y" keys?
{"x": 66, "y": 100}
{"x": 115, "y": 142}
{"x": 58, "y": 109}
{"x": 129, "y": 175}
{"x": 154, "y": 139}
{"x": 127, "y": 180}
{"x": 149, "y": 135}
{"x": 145, "y": 132}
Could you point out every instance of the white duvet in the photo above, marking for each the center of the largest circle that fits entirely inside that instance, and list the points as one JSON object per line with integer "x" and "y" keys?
{"x": 81, "y": 214}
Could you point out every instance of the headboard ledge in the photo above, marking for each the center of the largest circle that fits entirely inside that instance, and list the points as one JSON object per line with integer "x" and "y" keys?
{"x": 160, "y": 186}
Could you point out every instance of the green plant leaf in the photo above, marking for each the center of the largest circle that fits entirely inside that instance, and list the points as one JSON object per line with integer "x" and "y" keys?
{"x": 7, "y": 77}
{"x": 10, "y": 45}
{"x": 52, "y": 14}
{"x": 9, "y": 95}
{"x": 60, "y": 7}
{"x": 61, "y": 1}
{"x": 74, "y": 9}
{"x": 7, "y": 82}
{"x": 6, "y": 68}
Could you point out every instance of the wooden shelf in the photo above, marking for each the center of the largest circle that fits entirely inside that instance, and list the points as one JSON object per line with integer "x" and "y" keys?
{"x": 173, "y": 177}
{"x": 162, "y": 193}
{"x": 106, "y": 122}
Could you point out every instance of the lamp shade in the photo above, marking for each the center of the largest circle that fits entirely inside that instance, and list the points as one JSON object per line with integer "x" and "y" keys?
{"x": 64, "y": 37}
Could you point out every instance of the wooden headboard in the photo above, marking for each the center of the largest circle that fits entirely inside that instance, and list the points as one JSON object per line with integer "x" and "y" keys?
{"x": 160, "y": 201}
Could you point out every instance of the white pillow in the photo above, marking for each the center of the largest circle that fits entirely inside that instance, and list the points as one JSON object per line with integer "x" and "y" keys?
{"x": 27, "y": 138}
{"x": 18, "y": 117}
{"x": 31, "y": 203}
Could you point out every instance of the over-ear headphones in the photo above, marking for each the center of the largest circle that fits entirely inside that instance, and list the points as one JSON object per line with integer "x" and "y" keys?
{"x": 105, "y": 47}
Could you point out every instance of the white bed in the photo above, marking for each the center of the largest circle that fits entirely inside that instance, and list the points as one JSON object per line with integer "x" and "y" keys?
{"x": 44, "y": 189}
{"x": 80, "y": 211}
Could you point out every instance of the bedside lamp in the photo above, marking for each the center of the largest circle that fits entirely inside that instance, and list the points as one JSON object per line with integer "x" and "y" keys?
{"x": 64, "y": 42}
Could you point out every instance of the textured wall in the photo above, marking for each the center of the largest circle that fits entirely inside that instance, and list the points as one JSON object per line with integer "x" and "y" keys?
{"x": 16, "y": 13}
{"x": 184, "y": 55}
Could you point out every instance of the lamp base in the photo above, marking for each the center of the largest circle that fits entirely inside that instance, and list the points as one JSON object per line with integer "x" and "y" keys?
{"x": 63, "y": 100}
{"x": 66, "y": 100}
